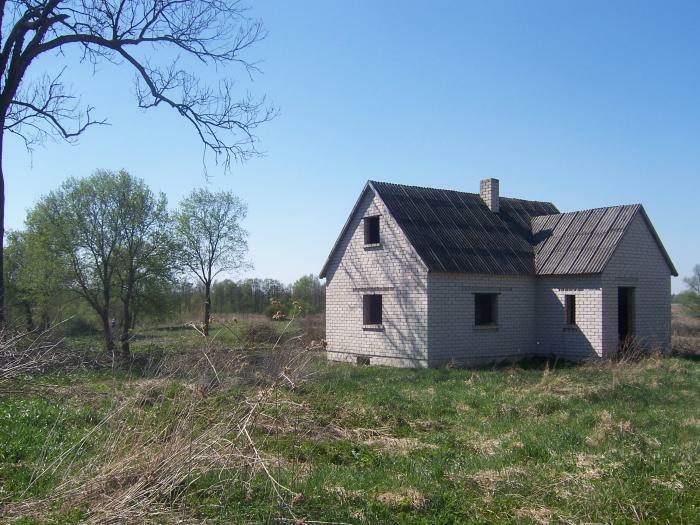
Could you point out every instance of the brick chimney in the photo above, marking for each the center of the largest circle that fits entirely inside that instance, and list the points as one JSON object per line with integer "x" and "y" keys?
{"x": 488, "y": 189}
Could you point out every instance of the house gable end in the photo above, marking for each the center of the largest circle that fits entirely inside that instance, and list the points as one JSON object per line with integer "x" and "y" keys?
{"x": 347, "y": 230}
{"x": 641, "y": 216}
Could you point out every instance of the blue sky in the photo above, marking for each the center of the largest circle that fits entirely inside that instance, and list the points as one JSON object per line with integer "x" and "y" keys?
{"x": 583, "y": 104}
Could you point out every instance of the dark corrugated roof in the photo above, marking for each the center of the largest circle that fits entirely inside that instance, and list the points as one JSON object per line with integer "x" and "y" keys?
{"x": 454, "y": 231}
{"x": 582, "y": 242}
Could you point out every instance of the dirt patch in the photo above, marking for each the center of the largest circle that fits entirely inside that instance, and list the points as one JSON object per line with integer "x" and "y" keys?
{"x": 607, "y": 427}
{"x": 672, "y": 484}
{"x": 691, "y": 422}
{"x": 344, "y": 493}
{"x": 589, "y": 466}
{"x": 490, "y": 480}
{"x": 400, "y": 446}
{"x": 260, "y": 333}
{"x": 410, "y": 498}
{"x": 540, "y": 515}
{"x": 486, "y": 445}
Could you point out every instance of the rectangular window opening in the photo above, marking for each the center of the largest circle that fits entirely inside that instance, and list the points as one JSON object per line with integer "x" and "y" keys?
{"x": 372, "y": 230}
{"x": 362, "y": 360}
{"x": 372, "y": 309}
{"x": 485, "y": 309}
{"x": 570, "y": 308}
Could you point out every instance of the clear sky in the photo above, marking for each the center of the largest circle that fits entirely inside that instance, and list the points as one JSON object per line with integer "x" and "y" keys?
{"x": 584, "y": 104}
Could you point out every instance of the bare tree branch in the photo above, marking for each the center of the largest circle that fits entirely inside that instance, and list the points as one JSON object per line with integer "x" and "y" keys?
{"x": 214, "y": 32}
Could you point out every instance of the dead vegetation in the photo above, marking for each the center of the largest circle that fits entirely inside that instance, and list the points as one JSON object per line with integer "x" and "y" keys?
{"x": 158, "y": 440}
{"x": 246, "y": 425}
{"x": 31, "y": 353}
{"x": 410, "y": 498}
{"x": 685, "y": 339}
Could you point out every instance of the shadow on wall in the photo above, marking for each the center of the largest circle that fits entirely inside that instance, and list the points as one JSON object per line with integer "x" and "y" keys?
{"x": 403, "y": 334}
{"x": 555, "y": 336}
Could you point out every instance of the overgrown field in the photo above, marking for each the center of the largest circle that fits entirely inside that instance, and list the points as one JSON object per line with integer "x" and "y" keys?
{"x": 248, "y": 429}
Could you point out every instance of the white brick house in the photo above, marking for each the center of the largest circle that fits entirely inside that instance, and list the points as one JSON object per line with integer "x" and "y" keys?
{"x": 424, "y": 277}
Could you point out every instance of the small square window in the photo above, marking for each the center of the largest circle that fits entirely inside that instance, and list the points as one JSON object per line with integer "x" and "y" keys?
{"x": 570, "y": 309}
{"x": 485, "y": 309}
{"x": 371, "y": 309}
{"x": 372, "y": 230}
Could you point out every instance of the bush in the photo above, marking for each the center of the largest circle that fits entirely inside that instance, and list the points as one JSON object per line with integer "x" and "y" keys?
{"x": 78, "y": 325}
{"x": 273, "y": 308}
{"x": 690, "y": 301}
{"x": 260, "y": 333}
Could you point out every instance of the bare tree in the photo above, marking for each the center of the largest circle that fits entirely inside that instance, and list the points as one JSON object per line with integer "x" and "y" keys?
{"x": 693, "y": 281}
{"x": 210, "y": 237}
{"x": 136, "y": 34}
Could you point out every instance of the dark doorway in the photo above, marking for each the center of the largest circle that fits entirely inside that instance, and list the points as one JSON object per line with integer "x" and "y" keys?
{"x": 625, "y": 313}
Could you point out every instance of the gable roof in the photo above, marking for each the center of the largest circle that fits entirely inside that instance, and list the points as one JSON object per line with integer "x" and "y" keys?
{"x": 582, "y": 242}
{"x": 453, "y": 231}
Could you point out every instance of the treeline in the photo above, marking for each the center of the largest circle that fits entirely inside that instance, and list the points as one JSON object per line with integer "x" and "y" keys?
{"x": 252, "y": 296}
{"x": 105, "y": 252}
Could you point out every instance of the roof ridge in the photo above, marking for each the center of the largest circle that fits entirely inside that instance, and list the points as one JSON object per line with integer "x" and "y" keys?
{"x": 637, "y": 205}
{"x": 420, "y": 187}
{"x": 454, "y": 191}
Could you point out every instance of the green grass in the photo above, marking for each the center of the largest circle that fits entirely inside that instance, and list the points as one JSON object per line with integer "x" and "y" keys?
{"x": 616, "y": 443}
{"x": 533, "y": 443}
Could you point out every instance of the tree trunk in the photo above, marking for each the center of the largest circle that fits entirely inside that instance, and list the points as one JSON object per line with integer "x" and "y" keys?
{"x": 126, "y": 322}
{"x": 29, "y": 320}
{"x": 207, "y": 307}
{"x": 107, "y": 329}
{"x": 2, "y": 230}
{"x": 106, "y": 321}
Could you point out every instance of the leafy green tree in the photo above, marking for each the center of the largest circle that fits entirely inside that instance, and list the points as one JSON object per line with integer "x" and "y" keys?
{"x": 18, "y": 287}
{"x": 148, "y": 37}
{"x": 310, "y": 292}
{"x": 81, "y": 222}
{"x": 210, "y": 238}
{"x": 144, "y": 249}
{"x": 690, "y": 298}
{"x": 110, "y": 230}
{"x": 34, "y": 279}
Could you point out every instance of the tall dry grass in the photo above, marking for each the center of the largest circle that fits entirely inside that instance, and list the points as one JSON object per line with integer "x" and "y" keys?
{"x": 25, "y": 354}
{"x": 161, "y": 437}
{"x": 685, "y": 335}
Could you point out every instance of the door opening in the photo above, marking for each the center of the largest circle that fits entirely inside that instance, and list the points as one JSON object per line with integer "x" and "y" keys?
{"x": 625, "y": 313}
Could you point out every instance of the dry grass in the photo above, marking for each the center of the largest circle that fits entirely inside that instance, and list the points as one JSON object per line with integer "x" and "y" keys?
{"x": 685, "y": 338}
{"x": 400, "y": 446}
{"x": 410, "y": 498}
{"x": 223, "y": 433}
{"x": 606, "y": 427}
{"x": 158, "y": 444}
{"x": 489, "y": 481}
{"x": 25, "y": 354}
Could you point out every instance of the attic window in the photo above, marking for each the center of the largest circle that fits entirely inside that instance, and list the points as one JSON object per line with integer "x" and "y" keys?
{"x": 485, "y": 309}
{"x": 372, "y": 230}
{"x": 570, "y": 309}
{"x": 372, "y": 309}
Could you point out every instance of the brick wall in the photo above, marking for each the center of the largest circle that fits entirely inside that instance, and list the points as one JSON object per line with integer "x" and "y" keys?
{"x": 429, "y": 320}
{"x": 453, "y": 335}
{"x": 393, "y": 270}
{"x": 553, "y": 335}
{"x": 638, "y": 263}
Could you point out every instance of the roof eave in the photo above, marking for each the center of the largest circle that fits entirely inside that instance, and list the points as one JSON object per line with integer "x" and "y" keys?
{"x": 324, "y": 270}
{"x": 656, "y": 237}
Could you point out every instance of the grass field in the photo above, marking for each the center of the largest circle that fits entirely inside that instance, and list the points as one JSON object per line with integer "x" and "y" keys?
{"x": 238, "y": 432}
